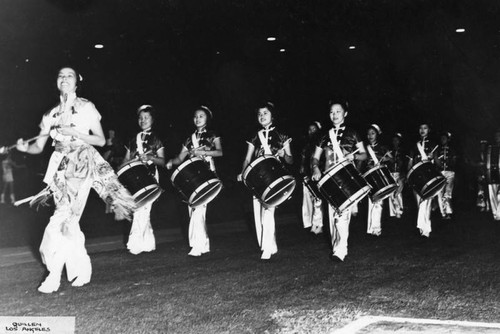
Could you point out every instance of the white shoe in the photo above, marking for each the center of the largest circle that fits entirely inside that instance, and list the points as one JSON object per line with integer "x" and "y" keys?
{"x": 194, "y": 252}
{"x": 265, "y": 255}
{"x": 51, "y": 284}
{"x": 80, "y": 281}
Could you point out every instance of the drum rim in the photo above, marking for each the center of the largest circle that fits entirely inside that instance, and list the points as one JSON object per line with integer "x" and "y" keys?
{"x": 395, "y": 185}
{"x": 360, "y": 194}
{"x": 253, "y": 163}
{"x": 428, "y": 184}
{"x": 157, "y": 194}
{"x": 416, "y": 166}
{"x": 373, "y": 169}
{"x": 331, "y": 172}
{"x": 146, "y": 188}
{"x": 195, "y": 192}
{"x": 182, "y": 165}
{"x": 269, "y": 187}
{"x": 127, "y": 166}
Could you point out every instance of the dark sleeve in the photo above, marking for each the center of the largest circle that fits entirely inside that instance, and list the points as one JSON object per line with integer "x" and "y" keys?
{"x": 254, "y": 140}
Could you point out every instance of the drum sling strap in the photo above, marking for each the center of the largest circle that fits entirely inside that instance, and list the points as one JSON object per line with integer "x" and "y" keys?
{"x": 335, "y": 144}
{"x": 372, "y": 154}
{"x": 140, "y": 149}
{"x": 264, "y": 141}
{"x": 196, "y": 144}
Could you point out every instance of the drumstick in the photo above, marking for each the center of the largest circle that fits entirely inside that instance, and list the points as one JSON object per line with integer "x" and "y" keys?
{"x": 27, "y": 141}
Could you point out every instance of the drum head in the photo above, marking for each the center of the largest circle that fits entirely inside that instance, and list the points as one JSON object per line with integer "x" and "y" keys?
{"x": 205, "y": 193}
{"x": 147, "y": 195}
{"x": 278, "y": 191}
{"x": 383, "y": 193}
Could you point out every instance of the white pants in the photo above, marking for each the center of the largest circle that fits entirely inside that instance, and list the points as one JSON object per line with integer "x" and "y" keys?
{"x": 424, "y": 216}
{"x": 198, "y": 237}
{"x": 445, "y": 195}
{"x": 312, "y": 210}
{"x": 396, "y": 199}
{"x": 494, "y": 200}
{"x": 141, "y": 237}
{"x": 63, "y": 243}
{"x": 339, "y": 229}
{"x": 374, "y": 224}
{"x": 265, "y": 227}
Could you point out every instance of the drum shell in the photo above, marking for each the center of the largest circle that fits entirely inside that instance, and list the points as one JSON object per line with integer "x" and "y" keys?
{"x": 381, "y": 182}
{"x": 197, "y": 184}
{"x": 137, "y": 179}
{"x": 492, "y": 164}
{"x": 343, "y": 186}
{"x": 425, "y": 179}
{"x": 269, "y": 181}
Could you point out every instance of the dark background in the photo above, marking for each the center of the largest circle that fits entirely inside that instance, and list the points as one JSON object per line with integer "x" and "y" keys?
{"x": 409, "y": 64}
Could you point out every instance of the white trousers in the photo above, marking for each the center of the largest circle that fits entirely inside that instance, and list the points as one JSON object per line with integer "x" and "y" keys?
{"x": 198, "y": 237}
{"x": 265, "y": 227}
{"x": 63, "y": 243}
{"x": 312, "y": 210}
{"x": 374, "y": 224}
{"x": 494, "y": 200}
{"x": 424, "y": 215}
{"x": 445, "y": 195}
{"x": 339, "y": 229}
{"x": 396, "y": 199}
{"x": 141, "y": 237}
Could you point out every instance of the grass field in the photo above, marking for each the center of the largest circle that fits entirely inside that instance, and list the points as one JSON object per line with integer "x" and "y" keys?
{"x": 452, "y": 275}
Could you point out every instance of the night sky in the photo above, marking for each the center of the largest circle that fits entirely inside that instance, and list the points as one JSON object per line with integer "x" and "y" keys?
{"x": 409, "y": 63}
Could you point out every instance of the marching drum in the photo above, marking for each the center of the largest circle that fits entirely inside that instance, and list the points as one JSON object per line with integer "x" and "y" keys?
{"x": 382, "y": 183}
{"x": 196, "y": 183}
{"x": 425, "y": 179}
{"x": 135, "y": 176}
{"x": 492, "y": 163}
{"x": 342, "y": 186}
{"x": 268, "y": 180}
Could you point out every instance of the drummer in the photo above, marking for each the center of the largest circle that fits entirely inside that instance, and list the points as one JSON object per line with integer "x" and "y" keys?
{"x": 339, "y": 143}
{"x": 312, "y": 208}
{"x": 204, "y": 143}
{"x": 396, "y": 167}
{"x": 267, "y": 141}
{"x": 377, "y": 153}
{"x": 147, "y": 148}
{"x": 494, "y": 188}
{"x": 446, "y": 162}
{"x": 424, "y": 150}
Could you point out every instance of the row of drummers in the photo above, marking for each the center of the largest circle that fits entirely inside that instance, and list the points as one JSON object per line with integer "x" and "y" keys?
{"x": 331, "y": 165}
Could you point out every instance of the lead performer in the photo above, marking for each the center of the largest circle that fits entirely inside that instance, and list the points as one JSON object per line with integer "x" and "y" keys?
{"x": 340, "y": 142}
{"x": 204, "y": 143}
{"x": 146, "y": 147}
{"x": 74, "y": 167}
{"x": 267, "y": 141}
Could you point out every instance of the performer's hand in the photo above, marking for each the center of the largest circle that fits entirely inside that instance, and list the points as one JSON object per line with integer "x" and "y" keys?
{"x": 350, "y": 157}
{"x": 68, "y": 131}
{"x": 145, "y": 159}
{"x": 239, "y": 178}
{"x": 281, "y": 153}
{"x": 3, "y": 150}
{"x": 21, "y": 145}
{"x": 316, "y": 174}
{"x": 169, "y": 164}
{"x": 198, "y": 152}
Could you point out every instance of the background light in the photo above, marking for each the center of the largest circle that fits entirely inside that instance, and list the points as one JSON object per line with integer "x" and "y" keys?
{"x": 271, "y": 39}
{"x": 98, "y": 46}
{"x": 352, "y": 47}
{"x": 282, "y": 50}
{"x": 460, "y": 30}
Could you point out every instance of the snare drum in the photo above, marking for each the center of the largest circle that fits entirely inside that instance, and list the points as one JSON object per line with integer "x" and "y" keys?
{"x": 381, "y": 181}
{"x": 269, "y": 181}
{"x": 136, "y": 177}
{"x": 196, "y": 183}
{"x": 425, "y": 179}
{"x": 492, "y": 163}
{"x": 343, "y": 186}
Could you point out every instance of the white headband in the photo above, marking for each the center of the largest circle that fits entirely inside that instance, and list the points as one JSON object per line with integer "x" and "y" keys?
{"x": 376, "y": 127}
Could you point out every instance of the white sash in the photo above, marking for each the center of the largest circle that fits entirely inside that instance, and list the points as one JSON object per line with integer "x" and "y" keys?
{"x": 421, "y": 149}
{"x": 264, "y": 141}
{"x": 336, "y": 145}
{"x": 196, "y": 144}
{"x": 372, "y": 154}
